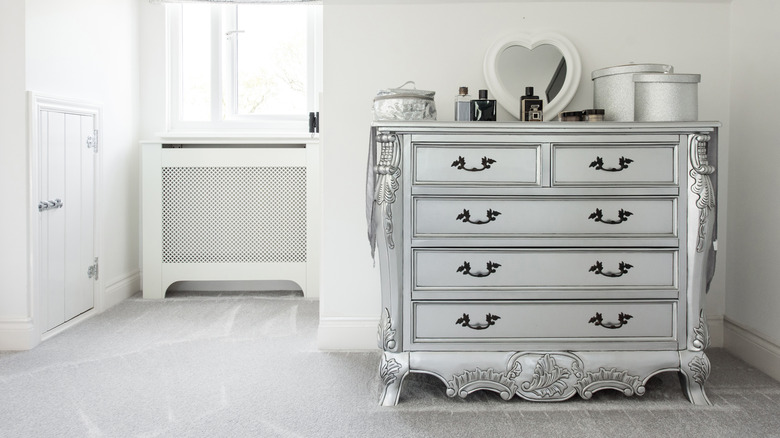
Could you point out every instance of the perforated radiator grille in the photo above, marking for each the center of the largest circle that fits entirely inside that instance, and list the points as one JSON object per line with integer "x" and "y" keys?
{"x": 233, "y": 214}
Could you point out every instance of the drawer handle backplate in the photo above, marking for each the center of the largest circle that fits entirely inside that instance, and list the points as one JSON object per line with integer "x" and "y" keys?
{"x": 622, "y": 320}
{"x": 465, "y": 268}
{"x": 460, "y": 164}
{"x": 466, "y": 217}
{"x": 599, "y": 164}
{"x": 598, "y": 269}
{"x": 465, "y": 321}
{"x": 598, "y": 216}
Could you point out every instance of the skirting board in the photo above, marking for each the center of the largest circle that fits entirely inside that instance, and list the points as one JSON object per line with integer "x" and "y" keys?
{"x": 347, "y": 334}
{"x": 121, "y": 289}
{"x": 752, "y": 347}
{"x": 354, "y": 333}
{"x": 18, "y": 335}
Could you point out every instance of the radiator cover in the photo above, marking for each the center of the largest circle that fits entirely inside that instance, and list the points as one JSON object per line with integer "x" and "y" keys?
{"x": 230, "y": 211}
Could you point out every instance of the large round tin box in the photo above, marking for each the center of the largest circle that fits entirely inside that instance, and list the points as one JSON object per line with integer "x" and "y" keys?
{"x": 613, "y": 89}
{"x": 666, "y": 98}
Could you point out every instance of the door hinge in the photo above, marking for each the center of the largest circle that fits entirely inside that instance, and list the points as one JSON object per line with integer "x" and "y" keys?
{"x": 92, "y": 141}
{"x": 92, "y": 271}
{"x": 314, "y": 122}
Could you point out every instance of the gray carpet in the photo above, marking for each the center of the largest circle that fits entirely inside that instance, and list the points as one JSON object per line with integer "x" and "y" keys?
{"x": 246, "y": 365}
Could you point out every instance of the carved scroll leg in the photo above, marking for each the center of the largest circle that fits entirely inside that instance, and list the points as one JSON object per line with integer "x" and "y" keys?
{"x": 392, "y": 370}
{"x": 695, "y": 369}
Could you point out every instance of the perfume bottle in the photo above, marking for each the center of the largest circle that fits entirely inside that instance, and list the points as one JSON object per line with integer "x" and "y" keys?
{"x": 531, "y": 107}
{"x": 463, "y": 105}
{"x": 483, "y": 109}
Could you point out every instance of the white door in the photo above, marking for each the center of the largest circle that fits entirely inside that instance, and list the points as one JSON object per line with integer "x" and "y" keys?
{"x": 66, "y": 211}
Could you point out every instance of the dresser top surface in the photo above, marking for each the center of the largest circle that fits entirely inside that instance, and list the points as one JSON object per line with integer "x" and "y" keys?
{"x": 547, "y": 127}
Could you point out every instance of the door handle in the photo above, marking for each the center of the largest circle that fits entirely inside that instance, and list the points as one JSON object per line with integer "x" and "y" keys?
{"x": 49, "y": 205}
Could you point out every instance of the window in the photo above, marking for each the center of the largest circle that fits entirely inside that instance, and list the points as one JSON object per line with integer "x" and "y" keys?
{"x": 243, "y": 66}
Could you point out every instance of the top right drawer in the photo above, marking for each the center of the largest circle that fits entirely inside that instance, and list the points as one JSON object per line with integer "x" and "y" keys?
{"x": 614, "y": 164}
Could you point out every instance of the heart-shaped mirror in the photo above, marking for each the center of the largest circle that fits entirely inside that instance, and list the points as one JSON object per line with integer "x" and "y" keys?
{"x": 548, "y": 62}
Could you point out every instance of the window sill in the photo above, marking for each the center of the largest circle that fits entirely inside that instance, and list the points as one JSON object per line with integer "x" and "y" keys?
{"x": 236, "y": 137}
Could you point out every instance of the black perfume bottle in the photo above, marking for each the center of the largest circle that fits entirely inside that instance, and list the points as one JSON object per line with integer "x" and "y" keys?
{"x": 531, "y": 107}
{"x": 483, "y": 109}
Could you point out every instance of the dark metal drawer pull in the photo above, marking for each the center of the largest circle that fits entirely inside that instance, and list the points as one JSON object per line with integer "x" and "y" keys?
{"x": 465, "y": 321}
{"x": 460, "y": 163}
{"x": 598, "y": 216}
{"x": 465, "y": 268}
{"x": 598, "y": 269}
{"x": 622, "y": 320}
{"x": 599, "y": 164}
{"x": 466, "y": 217}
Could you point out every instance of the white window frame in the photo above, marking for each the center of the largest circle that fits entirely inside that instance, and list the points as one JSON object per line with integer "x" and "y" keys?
{"x": 220, "y": 50}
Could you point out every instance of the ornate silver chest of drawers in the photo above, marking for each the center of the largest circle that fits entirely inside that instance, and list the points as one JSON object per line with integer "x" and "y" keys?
{"x": 543, "y": 259}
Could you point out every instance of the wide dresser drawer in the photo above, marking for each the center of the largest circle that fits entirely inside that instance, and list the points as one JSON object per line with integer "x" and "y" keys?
{"x": 581, "y": 216}
{"x": 615, "y": 165}
{"x": 478, "y": 164}
{"x": 507, "y": 321}
{"x": 451, "y": 270}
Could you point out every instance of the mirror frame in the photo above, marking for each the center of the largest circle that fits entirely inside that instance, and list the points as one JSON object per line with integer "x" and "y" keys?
{"x": 510, "y": 102}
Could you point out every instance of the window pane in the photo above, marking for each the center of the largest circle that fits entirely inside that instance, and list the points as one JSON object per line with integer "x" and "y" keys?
{"x": 271, "y": 59}
{"x": 196, "y": 62}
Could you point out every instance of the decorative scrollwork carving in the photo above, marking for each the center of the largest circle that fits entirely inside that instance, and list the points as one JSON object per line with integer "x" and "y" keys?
{"x": 549, "y": 379}
{"x": 470, "y": 381}
{"x": 388, "y": 370}
{"x": 598, "y": 216}
{"x": 609, "y": 379}
{"x": 599, "y": 321}
{"x": 460, "y": 164}
{"x": 388, "y": 173}
{"x": 701, "y": 334}
{"x": 385, "y": 332}
{"x": 598, "y": 269}
{"x": 702, "y": 184}
{"x": 465, "y": 321}
{"x": 700, "y": 367}
{"x": 466, "y": 217}
{"x": 623, "y": 162}
{"x": 465, "y": 268}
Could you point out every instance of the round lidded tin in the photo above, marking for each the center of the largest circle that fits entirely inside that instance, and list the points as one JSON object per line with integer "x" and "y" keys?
{"x": 593, "y": 115}
{"x": 666, "y": 98}
{"x": 570, "y": 116}
{"x": 613, "y": 89}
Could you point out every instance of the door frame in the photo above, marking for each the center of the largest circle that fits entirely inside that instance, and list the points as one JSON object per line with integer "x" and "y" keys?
{"x": 38, "y": 102}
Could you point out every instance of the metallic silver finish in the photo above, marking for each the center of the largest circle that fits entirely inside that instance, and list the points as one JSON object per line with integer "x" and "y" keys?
{"x": 563, "y": 330}
{"x": 50, "y": 205}
{"x": 92, "y": 141}
{"x": 666, "y": 98}
{"x": 404, "y": 104}
{"x": 92, "y": 270}
{"x": 613, "y": 89}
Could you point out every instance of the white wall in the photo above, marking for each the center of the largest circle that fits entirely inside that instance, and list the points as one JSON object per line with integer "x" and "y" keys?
{"x": 441, "y": 46}
{"x": 753, "y": 277}
{"x": 16, "y": 329}
{"x": 152, "y": 70}
{"x": 85, "y": 50}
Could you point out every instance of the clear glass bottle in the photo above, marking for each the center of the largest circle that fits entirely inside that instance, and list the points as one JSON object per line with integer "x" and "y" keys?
{"x": 463, "y": 105}
{"x": 483, "y": 109}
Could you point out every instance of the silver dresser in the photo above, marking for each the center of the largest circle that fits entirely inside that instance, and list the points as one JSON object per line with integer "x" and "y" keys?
{"x": 546, "y": 259}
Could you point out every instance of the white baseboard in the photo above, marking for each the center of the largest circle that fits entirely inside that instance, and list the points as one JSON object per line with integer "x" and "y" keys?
{"x": 715, "y": 324}
{"x": 18, "y": 335}
{"x": 347, "y": 333}
{"x": 752, "y": 347}
{"x": 121, "y": 289}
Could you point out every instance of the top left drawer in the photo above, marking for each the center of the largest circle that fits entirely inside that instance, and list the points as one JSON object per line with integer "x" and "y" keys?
{"x": 515, "y": 164}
